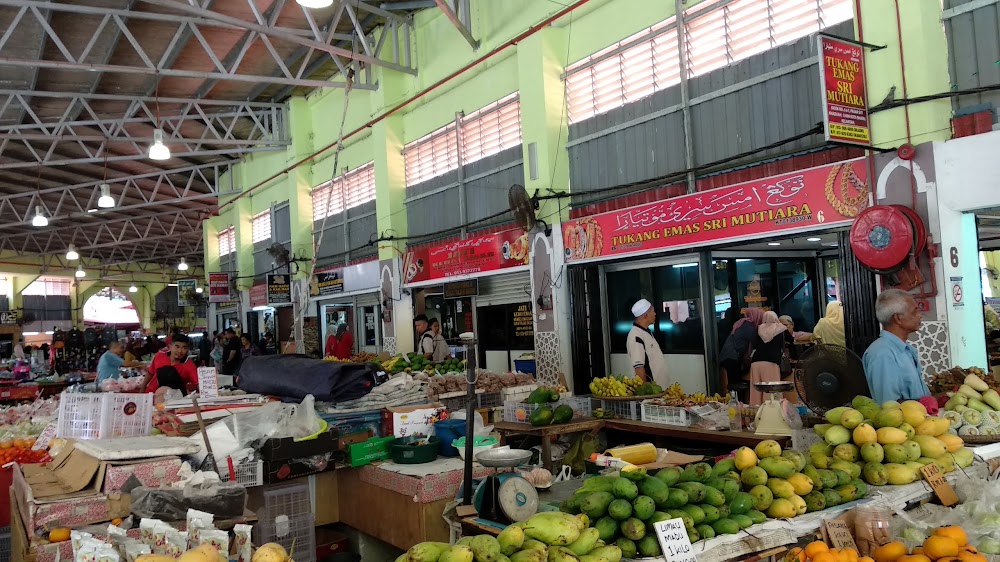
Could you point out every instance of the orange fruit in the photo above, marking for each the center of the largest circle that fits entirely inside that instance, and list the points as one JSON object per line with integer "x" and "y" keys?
{"x": 889, "y": 552}
{"x": 59, "y": 535}
{"x": 814, "y": 548}
{"x": 866, "y": 559}
{"x": 849, "y": 555}
{"x": 937, "y": 546}
{"x": 917, "y": 550}
{"x": 825, "y": 556}
{"x": 966, "y": 556}
{"x": 954, "y": 532}
{"x": 795, "y": 555}
{"x": 913, "y": 558}
{"x": 968, "y": 548}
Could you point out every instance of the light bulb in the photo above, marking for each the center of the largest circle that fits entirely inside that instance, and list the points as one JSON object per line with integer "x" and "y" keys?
{"x": 199, "y": 290}
{"x": 315, "y": 3}
{"x": 182, "y": 266}
{"x": 133, "y": 289}
{"x": 40, "y": 218}
{"x": 71, "y": 253}
{"x": 80, "y": 273}
{"x": 158, "y": 151}
{"x": 106, "y": 201}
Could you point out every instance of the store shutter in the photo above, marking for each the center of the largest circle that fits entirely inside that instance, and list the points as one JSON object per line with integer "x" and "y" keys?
{"x": 507, "y": 288}
{"x": 367, "y": 299}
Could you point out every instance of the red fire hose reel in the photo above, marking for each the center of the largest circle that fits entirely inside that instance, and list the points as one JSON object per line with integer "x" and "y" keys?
{"x": 887, "y": 239}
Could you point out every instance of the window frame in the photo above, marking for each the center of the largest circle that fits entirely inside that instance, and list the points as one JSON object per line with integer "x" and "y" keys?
{"x": 259, "y": 219}
{"x": 360, "y": 189}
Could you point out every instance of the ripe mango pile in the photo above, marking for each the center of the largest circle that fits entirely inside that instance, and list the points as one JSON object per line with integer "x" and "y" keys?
{"x": 550, "y": 536}
{"x": 887, "y": 444}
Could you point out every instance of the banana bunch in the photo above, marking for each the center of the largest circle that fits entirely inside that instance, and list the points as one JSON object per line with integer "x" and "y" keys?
{"x": 617, "y": 386}
{"x": 675, "y": 391}
{"x": 702, "y": 398}
{"x": 388, "y": 364}
{"x": 602, "y": 414}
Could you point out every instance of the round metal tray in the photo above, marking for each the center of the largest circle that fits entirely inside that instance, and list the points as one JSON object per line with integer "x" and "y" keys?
{"x": 503, "y": 458}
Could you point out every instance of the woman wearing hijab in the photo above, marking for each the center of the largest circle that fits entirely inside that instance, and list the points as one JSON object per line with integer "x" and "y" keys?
{"x": 768, "y": 348}
{"x": 736, "y": 349}
{"x": 830, "y": 328}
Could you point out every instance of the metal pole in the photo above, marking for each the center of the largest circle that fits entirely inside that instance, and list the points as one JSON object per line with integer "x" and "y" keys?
{"x": 685, "y": 96}
{"x": 470, "y": 411}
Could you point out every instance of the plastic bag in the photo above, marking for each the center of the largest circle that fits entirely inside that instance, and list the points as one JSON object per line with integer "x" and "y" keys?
{"x": 479, "y": 429}
{"x": 580, "y": 451}
{"x": 221, "y": 499}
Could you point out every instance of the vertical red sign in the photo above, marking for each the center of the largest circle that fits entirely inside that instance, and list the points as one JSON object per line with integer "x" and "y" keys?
{"x": 845, "y": 96}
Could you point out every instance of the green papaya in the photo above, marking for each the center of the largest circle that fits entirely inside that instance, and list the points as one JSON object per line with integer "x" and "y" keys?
{"x": 562, "y": 414}
{"x": 541, "y": 416}
{"x": 538, "y": 396}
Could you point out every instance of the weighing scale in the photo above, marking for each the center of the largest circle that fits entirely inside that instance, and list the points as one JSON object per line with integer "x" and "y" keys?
{"x": 505, "y": 497}
{"x": 770, "y": 420}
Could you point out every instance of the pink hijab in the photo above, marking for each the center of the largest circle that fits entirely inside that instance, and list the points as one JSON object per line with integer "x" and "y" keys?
{"x": 770, "y": 327}
{"x": 753, "y": 315}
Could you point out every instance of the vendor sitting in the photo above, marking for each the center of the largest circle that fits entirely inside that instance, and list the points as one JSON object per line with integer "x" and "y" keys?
{"x": 175, "y": 356}
{"x": 892, "y": 366}
{"x": 172, "y": 387}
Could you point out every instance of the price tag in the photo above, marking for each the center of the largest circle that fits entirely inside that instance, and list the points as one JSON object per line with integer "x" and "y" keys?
{"x": 208, "y": 382}
{"x": 674, "y": 541}
{"x": 840, "y": 534}
{"x": 942, "y": 489}
{"x": 45, "y": 438}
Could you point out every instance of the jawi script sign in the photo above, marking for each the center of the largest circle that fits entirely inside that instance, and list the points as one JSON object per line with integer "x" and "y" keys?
{"x": 820, "y": 197}
{"x": 845, "y": 96}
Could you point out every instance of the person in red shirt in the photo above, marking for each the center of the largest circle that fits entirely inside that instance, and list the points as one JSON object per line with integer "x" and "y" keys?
{"x": 344, "y": 345}
{"x": 177, "y": 357}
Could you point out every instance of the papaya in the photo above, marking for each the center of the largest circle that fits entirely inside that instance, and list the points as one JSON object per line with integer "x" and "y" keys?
{"x": 562, "y": 414}
{"x": 538, "y": 396}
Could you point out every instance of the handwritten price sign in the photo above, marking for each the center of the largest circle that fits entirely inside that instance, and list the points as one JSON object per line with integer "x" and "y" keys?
{"x": 674, "y": 541}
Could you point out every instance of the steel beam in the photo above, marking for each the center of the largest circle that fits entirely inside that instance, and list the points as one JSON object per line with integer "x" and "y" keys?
{"x": 459, "y": 14}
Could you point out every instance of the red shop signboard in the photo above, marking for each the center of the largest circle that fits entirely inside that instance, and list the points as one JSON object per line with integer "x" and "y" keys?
{"x": 826, "y": 196}
{"x": 845, "y": 97}
{"x": 492, "y": 252}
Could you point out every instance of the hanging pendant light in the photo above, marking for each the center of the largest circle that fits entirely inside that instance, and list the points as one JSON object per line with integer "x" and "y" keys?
{"x": 106, "y": 201}
{"x": 80, "y": 273}
{"x": 71, "y": 253}
{"x": 158, "y": 151}
{"x": 182, "y": 266}
{"x": 315, "y": 3}
{"x": 199, "y": 290}
{"x": 40, "y": 219}
{"x": 133, "y": 289}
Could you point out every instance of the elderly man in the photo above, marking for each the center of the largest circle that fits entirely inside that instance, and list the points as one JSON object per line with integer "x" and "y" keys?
{"x": 892, "y": 366}
{"x": 111, "y": 361}
{"x": 643, "y": 349}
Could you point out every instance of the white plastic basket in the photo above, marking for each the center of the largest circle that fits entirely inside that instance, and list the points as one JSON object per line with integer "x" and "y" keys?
{"x": 248, "y": 473}
{"x": 519, "y": 412}
{"x": 297, "y": 534}
{"x": 80, "y": 416}
{"x": 104, "y": 415}
{"x": 667, "y": 415}
{"x": 517, "y": 393}
{"x": 622, "y": 409}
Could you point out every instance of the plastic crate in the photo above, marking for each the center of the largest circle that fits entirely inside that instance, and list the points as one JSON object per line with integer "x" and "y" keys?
{"x": 288, "y": 499}
{"x": 667, "y": 415}
{"x": 490, "y": 400}
{"x": 126, "y": 415}
{"x": 455, "y": 401}
{"x": 80, "y": 416}
{"x": 248, "y": 473}
{"x": 622, "y": 409}
{"x": 519, "y": 412}
{"x": 297, "y": 534}
{"x": 516, "y": 393}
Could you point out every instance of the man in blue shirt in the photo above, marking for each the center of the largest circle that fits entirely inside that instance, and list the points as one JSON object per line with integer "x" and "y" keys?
{"x": 108, "y": 367}
{"x": 892, "y": 366}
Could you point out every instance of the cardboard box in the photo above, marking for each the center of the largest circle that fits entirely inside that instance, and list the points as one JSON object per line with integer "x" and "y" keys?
{"x": 288, "y": 469}
{"x": 289, "y": 448}
{"x": 411, "y": 420}
{"x": 68, "y": 492}
{"x": 152, "y": 473}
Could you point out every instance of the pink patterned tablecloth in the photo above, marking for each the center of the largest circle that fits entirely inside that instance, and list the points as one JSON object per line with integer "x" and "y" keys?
{"x": 425, "y": 488}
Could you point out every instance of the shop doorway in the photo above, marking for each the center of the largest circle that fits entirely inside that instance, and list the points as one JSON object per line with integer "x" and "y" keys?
{"x": 505, "y": 333}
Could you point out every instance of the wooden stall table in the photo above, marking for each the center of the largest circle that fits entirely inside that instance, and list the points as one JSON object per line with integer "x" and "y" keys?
{"x": 400, "y": 509}
{"x": 681, "y": 433}
{"x": 579, "y": 425}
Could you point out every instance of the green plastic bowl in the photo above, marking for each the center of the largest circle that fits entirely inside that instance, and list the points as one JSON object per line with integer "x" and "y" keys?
{"x": 414, "y": 449}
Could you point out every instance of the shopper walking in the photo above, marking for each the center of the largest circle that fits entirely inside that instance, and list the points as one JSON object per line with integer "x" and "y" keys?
{"x": 643, "y": 350}
{"x": 892, "y": 366}
{"x": 734, "y": 358}
{"x": 768, "y": 348}
{"x": 343, "y": 342}
{"x": 231, "y": 354}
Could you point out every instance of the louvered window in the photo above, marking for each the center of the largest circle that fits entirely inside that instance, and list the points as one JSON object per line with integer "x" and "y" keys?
{"x": 349, "y": 190}
{"x": 492, "y": 129}
{"x": 715, "y": 36}
{"x": 486, "y": 132}
{"x": 261, "y": 226}
{"x": 49, "y": 287}
{"x": 227, "y": 241}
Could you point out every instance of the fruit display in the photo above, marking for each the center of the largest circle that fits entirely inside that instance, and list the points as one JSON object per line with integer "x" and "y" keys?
{"x": 818, "y": 551}
{"x": 952, "y": 379}
{"x": 542, "y": 395}
{"x": 548, "y": 536}
{"x": 40, "y": 411}
{"x": 886, "y": 444}
{"x": 973, "y": 408}
{"x": 619, "y": 386}
{"x": 948, "y": 544}
{"x": 485, "y": 381}
{"x": 723, "y": 499}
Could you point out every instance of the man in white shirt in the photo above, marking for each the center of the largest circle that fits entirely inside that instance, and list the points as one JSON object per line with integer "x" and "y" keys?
{"x": 19, "y": 350}
{"x": 643, "y": 349}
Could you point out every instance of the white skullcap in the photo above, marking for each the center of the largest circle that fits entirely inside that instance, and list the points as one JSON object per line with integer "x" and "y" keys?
{"x": 640, "y": 307}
